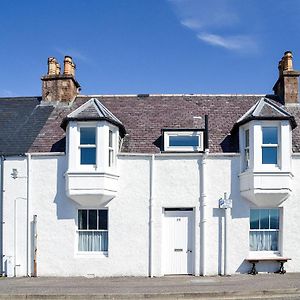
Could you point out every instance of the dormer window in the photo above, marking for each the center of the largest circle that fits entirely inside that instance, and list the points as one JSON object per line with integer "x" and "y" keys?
{"x": 183, "y": 140}
{"x": 265, "y": 135}
{"x": 269, "y": 145}
{"x": 87, "y": 145}
{"x": 93, "y": 135}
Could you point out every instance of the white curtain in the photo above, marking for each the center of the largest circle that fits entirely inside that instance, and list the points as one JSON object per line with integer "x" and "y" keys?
{"x": 93, "y": 241}
{"x": 263, "y": 240}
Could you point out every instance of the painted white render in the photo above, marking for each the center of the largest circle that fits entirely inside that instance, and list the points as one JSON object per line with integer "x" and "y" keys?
{"x": 176, "y": 184}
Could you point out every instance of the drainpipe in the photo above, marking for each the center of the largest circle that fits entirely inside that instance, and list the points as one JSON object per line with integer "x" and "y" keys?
{"x": 151, "y": 199}
{"x": 28, "y": 155}
{"x": 1, "y": 214}
{"x": 203, "y": 221}
{"x": 226, "y": 242}
{"x": 203, "y": 202}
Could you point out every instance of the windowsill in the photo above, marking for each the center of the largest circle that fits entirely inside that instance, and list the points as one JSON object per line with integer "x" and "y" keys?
{"x": 92, "y": 254}
{"x": 263, "y": 254}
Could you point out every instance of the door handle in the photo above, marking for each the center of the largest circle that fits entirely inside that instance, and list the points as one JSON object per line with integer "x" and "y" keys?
{"x": 178, "y": 250}
{"x": 189, "y": 251}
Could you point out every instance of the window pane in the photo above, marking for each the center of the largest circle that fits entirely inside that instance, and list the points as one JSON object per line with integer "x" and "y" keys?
{"x": 93, "y": 241}
{"x": 184, "y": 140}
{"x": 88, "y": 135}
{"x": 88, "y": 156}
{"x": 263, "y": 240}
{"x": 254, "y": 219}
{"x": 269, "y": 155}
{"x": 110, "y": 143}
{"x": 110, "y": 157}
{"x": 274, "y": 218}
{"x": 92, "y": 219}
{"x": 102, "y": 219}
{"x": 82, "y": 219}
{"x": 264, "y": 218}
{"x": 270, "y": 135}
{"x": 247, "y": 138}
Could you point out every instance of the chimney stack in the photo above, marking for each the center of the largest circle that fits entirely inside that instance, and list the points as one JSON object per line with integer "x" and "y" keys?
{"x": 59, "y": 87}
{"x": 286, "y": 86}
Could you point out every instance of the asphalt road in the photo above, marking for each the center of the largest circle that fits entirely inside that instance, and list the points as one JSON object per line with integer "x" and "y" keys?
{"x": 261, "y": 286}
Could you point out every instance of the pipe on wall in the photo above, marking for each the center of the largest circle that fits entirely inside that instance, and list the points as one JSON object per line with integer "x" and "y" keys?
{"x": 151, "y": 199}
{"x": 203, "y": 212}
{"x": 28, "y": 253}
{"x": 1, "y": 214}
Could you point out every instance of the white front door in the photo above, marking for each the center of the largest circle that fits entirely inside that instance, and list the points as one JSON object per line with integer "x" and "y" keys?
{"x": 178, "y": 241}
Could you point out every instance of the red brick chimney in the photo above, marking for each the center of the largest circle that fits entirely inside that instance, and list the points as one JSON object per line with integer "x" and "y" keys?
{"x": 286, "y": 87}
{"x": 60, "y": 87}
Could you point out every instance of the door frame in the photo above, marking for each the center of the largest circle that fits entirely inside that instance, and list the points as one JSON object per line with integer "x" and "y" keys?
{"x": 191, "y": 234}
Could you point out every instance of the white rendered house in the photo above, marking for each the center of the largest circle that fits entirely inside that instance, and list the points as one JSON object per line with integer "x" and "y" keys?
{"x": 133, "y": 185}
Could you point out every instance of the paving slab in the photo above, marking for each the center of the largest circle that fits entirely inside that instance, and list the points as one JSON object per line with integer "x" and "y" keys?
{"x": 261, "y": 286}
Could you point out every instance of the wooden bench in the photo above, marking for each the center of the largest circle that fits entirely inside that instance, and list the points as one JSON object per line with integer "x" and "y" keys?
{"x": 254, "y": 261}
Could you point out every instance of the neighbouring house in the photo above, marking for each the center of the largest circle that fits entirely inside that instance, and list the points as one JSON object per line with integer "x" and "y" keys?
{"x": 149, "y": 185}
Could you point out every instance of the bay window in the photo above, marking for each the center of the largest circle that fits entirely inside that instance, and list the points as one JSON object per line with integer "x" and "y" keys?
{"x": 264, "y": 229}
{"x": 92, "y": 230}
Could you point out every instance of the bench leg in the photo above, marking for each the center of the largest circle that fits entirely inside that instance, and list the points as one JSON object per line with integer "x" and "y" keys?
{"x": 253, "y": 270}
{"x": 281, "y": 269}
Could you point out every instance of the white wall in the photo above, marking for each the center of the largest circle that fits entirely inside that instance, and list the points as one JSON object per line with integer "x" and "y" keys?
{"x": 176, "y": 184}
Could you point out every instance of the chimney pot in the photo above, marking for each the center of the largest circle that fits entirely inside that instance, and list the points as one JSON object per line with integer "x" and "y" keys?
{"x": 68, "y": 66}
{"x": 288, "y": 61}
{"x": 52, "y": 66}
{"x": 57, "y": 69}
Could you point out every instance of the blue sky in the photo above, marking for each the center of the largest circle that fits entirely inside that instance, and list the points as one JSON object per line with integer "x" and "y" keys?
{"x": 149, "y": 46}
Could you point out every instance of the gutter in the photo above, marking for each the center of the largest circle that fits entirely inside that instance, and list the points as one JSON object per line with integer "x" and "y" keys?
{"x": 1, "y": 214}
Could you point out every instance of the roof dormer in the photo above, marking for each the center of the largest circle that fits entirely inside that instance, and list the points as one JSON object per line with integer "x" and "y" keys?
{"x": 93, "y": 134}
{"x": 265, "y": 140}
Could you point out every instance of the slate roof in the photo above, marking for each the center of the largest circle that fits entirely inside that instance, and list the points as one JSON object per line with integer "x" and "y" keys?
{"x": 144, "y": 117}
{"x": 32, "y": 126}
{"x": 21, "y": 120}
{"x": 93, "y": 110}
{"x": 266, "y": 109}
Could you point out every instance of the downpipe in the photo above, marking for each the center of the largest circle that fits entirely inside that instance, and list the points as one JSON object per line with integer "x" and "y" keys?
{"x": 151, "y": 199}
{"x": 28, "y": 255}
{"x": 1, "y": 214}
{"x": 203, "y": 219}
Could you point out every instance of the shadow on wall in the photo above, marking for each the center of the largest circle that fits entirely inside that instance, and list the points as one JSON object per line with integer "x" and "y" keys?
{"x": 65, "y": 207}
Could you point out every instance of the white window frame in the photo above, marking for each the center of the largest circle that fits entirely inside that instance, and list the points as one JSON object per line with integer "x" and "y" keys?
{"x": 271, "y": 145}
{"x": 246, "y": 149}
{"x": 80, "y": 146}
{"x": 111, "y": 148}
{"x": 92, "y": 253}
{"x": 264, "y": 252}
{"x": 198, "y": 133}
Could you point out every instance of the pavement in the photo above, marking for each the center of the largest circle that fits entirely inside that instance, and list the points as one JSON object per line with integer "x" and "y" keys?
{"x": 261, "y": 286}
